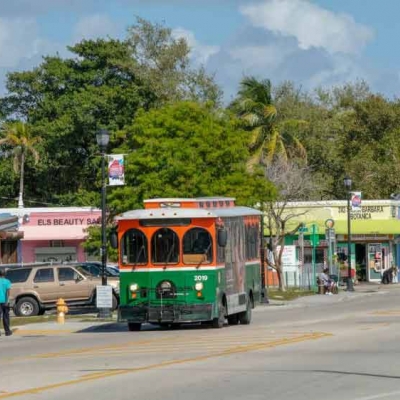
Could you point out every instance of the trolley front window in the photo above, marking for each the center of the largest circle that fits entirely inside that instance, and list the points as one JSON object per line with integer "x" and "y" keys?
{"x": 134, "y": 247}
{"x": 165, "y": 247}
{"x": 197, "y": 246}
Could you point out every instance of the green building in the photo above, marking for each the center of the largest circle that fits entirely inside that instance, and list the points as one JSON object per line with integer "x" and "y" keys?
{"x": 375, "y": 240}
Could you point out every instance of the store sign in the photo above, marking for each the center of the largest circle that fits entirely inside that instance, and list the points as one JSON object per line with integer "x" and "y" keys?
{"x": 288, "y": 257}
{"x": 68, "y": 221}
{"x": 364, "y": 212}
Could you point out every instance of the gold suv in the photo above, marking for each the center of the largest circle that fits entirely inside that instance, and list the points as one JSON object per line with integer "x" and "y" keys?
{"x": 36, "y": 289}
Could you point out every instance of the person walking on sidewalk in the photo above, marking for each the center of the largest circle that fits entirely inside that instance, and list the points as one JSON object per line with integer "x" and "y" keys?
{"x": 5, "y": 286}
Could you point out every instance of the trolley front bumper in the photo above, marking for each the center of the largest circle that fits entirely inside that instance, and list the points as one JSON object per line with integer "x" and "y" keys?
{"x": 169, "y": 313}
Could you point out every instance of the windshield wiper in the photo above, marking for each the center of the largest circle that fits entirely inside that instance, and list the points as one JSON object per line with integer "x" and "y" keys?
{"x": 138, "y": 256}
{"x": 205, "y": 258}
{"x": 169, "y": 255}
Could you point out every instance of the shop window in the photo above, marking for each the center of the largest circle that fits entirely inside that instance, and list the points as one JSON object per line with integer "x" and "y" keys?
{"x": 56, "y": 243}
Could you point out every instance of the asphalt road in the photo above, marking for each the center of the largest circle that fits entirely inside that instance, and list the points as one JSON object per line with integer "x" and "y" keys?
{"x": 326, "y": 347}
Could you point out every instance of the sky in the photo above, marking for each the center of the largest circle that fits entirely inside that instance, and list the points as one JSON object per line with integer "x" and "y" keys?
{"x": 310, "y": 42}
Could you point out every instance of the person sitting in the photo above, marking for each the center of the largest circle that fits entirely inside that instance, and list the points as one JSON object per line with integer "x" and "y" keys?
{"x": 327, "y": 281}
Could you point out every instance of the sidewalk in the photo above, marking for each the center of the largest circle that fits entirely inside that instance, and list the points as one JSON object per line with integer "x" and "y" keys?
{"x": 53, "y": 328}
{"x": 360, "y": 290}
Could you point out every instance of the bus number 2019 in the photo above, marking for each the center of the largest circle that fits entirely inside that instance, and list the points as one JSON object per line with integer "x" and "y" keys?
{"x": 200, "y": 278}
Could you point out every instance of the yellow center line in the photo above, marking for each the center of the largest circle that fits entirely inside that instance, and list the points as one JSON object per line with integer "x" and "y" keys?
{"x": 107, "y": 374}
{"x": 386, "y": 313}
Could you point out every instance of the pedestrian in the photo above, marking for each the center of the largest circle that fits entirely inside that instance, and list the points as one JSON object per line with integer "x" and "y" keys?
{"x": 395, "y": 274}
{"x": 5, "y": 286}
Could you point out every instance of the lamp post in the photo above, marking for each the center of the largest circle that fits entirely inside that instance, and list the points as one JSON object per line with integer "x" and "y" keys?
{"x": 102, "y": 138}
{"x": 347, "y": 184}
{"x": 264, "y": 292}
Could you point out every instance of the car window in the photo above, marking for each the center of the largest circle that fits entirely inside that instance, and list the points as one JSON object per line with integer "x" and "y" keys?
{"x": 112, "y": 272}
{"x": 94, "y": 270}
{"x": 66, "y": 274}
{"x": 44, "y": 275}
{"x": 18, "y": 275}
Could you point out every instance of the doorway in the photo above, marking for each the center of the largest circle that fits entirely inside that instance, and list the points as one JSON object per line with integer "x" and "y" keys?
{"x": 361, "y": 261}
{"x": 9, "y": 251}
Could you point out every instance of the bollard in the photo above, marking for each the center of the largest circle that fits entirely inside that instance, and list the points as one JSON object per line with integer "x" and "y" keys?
{"x": 62, "y": 309}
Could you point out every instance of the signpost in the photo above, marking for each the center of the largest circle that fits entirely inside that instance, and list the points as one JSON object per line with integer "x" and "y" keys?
{"x": 103, "y": 296}
{"x": 314, "y": 239}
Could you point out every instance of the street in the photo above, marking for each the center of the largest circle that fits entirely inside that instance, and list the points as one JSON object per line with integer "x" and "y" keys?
{"x": 328, "y": 347}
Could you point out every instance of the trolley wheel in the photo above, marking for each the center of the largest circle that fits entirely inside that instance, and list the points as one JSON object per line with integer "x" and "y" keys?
{"x": 134, "y": 327}
{"x": 245, "y": 316}
{"x": 233, "y": 319}
{"x": 219, "y": 322}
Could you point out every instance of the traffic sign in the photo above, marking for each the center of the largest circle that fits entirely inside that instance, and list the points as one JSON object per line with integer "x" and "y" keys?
{"x": 314, "y": 237}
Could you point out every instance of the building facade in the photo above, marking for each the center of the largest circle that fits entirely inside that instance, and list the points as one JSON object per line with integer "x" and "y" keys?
{"x": 49, "y": 234}
{"x": 375, "y": 237}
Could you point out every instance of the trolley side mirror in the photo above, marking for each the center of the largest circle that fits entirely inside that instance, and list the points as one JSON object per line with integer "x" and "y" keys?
{"x": 222, "y": 237}
{"x": 114, "y": 239}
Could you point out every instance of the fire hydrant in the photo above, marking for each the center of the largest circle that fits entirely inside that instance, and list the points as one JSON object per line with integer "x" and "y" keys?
{"x": 62, "y": 309}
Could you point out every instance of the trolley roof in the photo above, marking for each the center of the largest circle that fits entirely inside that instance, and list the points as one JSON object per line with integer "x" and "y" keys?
{"x": 171, "y": 213}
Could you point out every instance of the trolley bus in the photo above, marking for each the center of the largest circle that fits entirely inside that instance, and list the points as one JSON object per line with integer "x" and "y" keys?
{"x": 188, "y": 260}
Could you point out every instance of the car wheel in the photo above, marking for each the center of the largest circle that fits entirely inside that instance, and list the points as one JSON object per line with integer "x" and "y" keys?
{"x": 27, "y": 307}
{"x": 114, "y": 302}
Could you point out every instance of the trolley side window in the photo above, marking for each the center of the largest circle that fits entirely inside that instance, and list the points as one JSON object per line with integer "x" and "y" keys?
{"x": 197, "y": 246}
{"x": 165, "y": 247}
{"x": 134, "y": 247}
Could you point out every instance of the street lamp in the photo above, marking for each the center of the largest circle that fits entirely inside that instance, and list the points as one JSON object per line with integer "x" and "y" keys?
{"x": 102, "y": 138}
{"x": 347, "y": 184}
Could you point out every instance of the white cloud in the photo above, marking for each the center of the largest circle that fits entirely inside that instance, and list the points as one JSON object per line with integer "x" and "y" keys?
{"x": 93, "y": 27}
{"x": 256, "y": 56}
{"x": 200, "y": 53}
{"x": 310, "y": 24}
{"x": 18, "y": 39}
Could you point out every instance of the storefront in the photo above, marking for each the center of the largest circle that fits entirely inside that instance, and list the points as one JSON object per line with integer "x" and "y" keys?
{"x": 53, "y": 234}
{"x": 9, "y": 237}
{"x": 375, "y": 236}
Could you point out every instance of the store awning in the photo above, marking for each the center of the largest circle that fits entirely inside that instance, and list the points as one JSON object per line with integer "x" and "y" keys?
{"x": 74, "y": 232}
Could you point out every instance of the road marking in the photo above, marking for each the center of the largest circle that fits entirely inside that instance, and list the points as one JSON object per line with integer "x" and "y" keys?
{"x": 227, "y": 352}
{"x": 96, "y": 349}
{"x": 393, "y": 313}
{"x": 29, "y": 332}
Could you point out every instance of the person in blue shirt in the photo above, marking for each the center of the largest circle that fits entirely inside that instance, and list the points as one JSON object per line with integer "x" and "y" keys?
{"x": 5, "y": 286}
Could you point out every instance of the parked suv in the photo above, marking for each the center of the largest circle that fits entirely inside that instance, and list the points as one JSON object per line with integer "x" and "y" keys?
{"x": 37, "y": 289}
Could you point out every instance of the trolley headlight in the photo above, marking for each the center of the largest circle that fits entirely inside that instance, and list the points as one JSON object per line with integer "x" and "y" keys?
{"x": 199, "y": 286}
{"x": 166, "y": 285}
{"x": 134, "y": 287}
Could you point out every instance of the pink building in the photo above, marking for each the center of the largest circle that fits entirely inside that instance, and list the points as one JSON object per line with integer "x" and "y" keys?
{"x": 53, "y": 234}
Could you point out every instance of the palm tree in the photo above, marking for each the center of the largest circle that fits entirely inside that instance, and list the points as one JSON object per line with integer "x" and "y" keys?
{"x": 270, "y": 138}
{"x": 18, "y": 135}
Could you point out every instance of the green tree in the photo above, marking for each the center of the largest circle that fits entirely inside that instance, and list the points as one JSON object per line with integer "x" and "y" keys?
{"x": 163, "y": 64}
{"x": 270, "y": 138}
{"x": 19, "y": 137}
{"x": 186, "y": 150}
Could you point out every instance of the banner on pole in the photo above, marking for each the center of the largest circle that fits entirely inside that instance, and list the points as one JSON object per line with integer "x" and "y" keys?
{"x": 116, "y": 170}
{"x": 356, "y": 201}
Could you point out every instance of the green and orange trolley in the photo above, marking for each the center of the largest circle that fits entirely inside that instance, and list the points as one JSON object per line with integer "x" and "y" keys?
{"x": 188, "y": 261}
